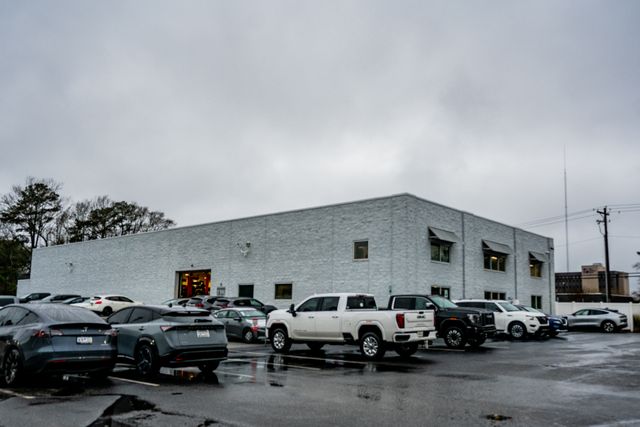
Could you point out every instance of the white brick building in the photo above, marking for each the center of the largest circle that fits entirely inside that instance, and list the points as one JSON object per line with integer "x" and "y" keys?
{"x": 386, "y": 245}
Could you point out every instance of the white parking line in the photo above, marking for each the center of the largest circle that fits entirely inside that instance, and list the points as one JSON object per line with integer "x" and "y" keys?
{"x": 13, "y": 393}
{"x": 135, "y": 382}
{"x": 266, "y": 363}
{"x": 233, "y": 374}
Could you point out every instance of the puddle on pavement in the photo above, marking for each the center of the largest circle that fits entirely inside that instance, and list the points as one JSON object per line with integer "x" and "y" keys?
{"x": 497, "y": 417}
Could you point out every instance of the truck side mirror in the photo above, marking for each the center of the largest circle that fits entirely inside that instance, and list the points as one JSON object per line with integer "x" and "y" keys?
{"x": 292, "y": 310}
{"x": 430, "y": 306}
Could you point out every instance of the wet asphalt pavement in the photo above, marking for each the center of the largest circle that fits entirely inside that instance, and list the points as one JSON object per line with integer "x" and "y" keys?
{"x": 583, "y": 379}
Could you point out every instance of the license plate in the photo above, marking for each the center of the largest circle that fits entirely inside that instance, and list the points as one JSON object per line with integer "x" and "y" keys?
{"x": 420, "y": 334}
{"x": 84, "y": 340}
{"x": 202, "y": 333}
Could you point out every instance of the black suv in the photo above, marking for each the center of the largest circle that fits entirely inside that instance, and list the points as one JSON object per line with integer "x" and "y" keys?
{"x": 456, "y": 325}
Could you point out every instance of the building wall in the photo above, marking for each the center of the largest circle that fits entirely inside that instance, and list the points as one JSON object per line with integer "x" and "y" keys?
{"x": 311, "y": 248}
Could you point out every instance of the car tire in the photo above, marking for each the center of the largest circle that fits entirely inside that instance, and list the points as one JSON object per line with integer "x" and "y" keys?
{"x": 209, "y": 367}
{"x": 12, "y": 371}
{"x": 477, "y": 341}
{"x": 372, "y": 346}
{"x": 407, "y": 350}
{"x": 454, "y": 337}
{"x": 552, "y": 334}
{"x": 147, "y": 361}
{"x": 608, "y": 327}
{"x": 247, "y": 336}
{"x": 107, "y": 311}
{"x": 517, "y": 330}
{"x": 315, "y": 346}
{"x": 280, "y": 341}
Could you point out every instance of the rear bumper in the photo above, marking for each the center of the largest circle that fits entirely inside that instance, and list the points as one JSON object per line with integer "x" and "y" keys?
{"x": 413, "y": 336}
{"x": 63, "y": 363}
{"x": 191, "y": 356}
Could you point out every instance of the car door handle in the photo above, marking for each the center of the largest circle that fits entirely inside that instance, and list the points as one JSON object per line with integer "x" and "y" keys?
{"x": 311, "y": 317}
{"x": 141, "y": 328}
{"x": 335, "y": 317}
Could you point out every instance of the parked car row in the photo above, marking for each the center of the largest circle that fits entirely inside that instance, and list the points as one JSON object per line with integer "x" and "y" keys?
{"x": 63, "y": 333}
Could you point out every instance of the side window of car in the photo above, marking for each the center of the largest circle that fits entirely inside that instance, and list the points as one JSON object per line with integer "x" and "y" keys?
{"x": 141, "y": 315}
{"x": 221, "y": 314}
{"x": 241, "y": 303}
{"x": 492, "y": 306}
{"x": 14, "y": 316}
{"x": 29, "y": 319}
{"x": 404, "y": 303}
{"x": 121, "y": 316}
{"x": 233, "y": 315}
{"x": 255, "y": 303}
{"x": 330, "y": 303}
{"x": 309, "y": 305}
{"x": 125, "y": 299}
{"x": 5, "y": 315}
{"x": 596, "y": 312}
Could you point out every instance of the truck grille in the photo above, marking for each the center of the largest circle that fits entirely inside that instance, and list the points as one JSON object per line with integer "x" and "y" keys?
{"x": 543, "y": 320}
{"x": 487, "y": 319}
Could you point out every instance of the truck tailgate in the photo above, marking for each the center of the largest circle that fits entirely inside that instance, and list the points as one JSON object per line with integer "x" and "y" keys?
{"x": 418, "y": 319}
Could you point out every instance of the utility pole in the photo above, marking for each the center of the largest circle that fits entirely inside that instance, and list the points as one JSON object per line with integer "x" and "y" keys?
{"x": 605, "y": 219}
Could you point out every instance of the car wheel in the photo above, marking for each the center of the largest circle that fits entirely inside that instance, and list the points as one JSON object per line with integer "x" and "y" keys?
{"x": 209, "y": 367}
{"x": 608, "y": 326}
{"x": 107, "y": 311}
{"x": 371, "y": 346}
{"x": 454, "y": 337}
{"x": 280, "y": 342}
{"x": 552, "y": 334}
{"x": 12, "y": 368}
{"x": 406, "y": 350}
{"x": 517, "y": 330}
{"x": 477, "y": 341}
{"x": 147, "y": 363}
{"x": 247, "y": 336}
{"x": 315, "y": 346}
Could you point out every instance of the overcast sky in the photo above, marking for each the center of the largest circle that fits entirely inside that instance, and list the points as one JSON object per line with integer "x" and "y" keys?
{"x": 217, "y": 110}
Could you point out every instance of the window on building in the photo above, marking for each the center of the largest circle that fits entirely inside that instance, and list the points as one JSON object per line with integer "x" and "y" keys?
{"x": 495, "y": 295}
{"x": 439, "y": 290}
{"x": 536, "y": 301}
{"x": 245, "y": 291}
{"x": 441, "y": 242}
{"x": 440, "y": 251}
{"x": 536, "y": 261}
{"x": 495, "y": 255}
{"x": 361, "y": 249}
{"x": 284, "y": 291}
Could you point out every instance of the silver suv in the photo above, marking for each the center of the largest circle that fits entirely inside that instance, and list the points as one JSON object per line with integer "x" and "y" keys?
{"x": 603, "y": 318}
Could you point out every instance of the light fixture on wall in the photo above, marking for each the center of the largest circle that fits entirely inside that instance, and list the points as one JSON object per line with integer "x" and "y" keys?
{"x": 245, "y": 248}
{"x": 69, "y": 266}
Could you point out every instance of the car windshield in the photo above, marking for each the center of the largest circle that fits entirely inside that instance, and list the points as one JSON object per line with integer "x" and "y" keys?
{"x": 442, "y": 302}
{"x": 252, "y": 313}
{"x": 508, "y": 307}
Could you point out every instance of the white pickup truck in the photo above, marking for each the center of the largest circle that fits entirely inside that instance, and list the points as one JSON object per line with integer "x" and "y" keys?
{"x": 349, "y": 318}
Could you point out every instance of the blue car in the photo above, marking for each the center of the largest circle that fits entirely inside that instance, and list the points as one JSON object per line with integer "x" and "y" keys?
{"x": 556, "y": 323}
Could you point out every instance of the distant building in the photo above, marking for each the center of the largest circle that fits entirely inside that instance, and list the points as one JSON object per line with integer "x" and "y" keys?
{"x": 590, "y": 285}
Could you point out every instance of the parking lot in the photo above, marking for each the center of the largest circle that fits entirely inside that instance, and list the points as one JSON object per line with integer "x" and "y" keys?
{"x": 575, "y": 379}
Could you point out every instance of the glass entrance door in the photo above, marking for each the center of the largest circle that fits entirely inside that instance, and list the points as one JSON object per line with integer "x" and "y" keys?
{"x": 192, "y": 283}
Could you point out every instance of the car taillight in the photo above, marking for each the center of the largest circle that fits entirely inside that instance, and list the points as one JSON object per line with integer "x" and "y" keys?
{"x": 166, "y": 328}
{"x": 400, "y": 320}
{"x": 111, "y": 332}
{"x": 200, "y": 305}
{"x": 98, "y": 302}
{"x": 46, "y": 333}
{"x": 254, "y": 327}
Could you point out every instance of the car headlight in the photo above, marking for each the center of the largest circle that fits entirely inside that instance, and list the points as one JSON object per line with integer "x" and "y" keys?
{"x": 473, "y": 318}
{"x": 531, "y": 318}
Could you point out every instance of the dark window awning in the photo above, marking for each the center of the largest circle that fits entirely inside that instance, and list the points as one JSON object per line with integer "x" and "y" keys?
{"x": 488, "y": 245}
{"x": 443, "y": 235}
{"x": 538, "y": 256}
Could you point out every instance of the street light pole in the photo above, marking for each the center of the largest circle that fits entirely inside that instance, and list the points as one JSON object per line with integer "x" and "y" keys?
{"x": 605, "y": 214}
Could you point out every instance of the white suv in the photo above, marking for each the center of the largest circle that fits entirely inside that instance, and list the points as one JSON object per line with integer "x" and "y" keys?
{"x": 107, "y": 304}
{"x": 509, "y": 318}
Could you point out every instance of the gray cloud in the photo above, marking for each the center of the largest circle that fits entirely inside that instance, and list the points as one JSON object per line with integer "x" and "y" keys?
{"x": 210, "y": 110}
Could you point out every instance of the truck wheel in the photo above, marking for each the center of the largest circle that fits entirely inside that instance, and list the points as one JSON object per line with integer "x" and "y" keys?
{"x": 477, "y": 341}
{"x": 406, "y": 350}
{"x": 454, "y": 337}
{"x": 517, "y": 330}
{"x": 371, "y": 346}
{"x": 315, "y": 346}
{"x": 280, "y": 342}
{"x": 608, "y": 326}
